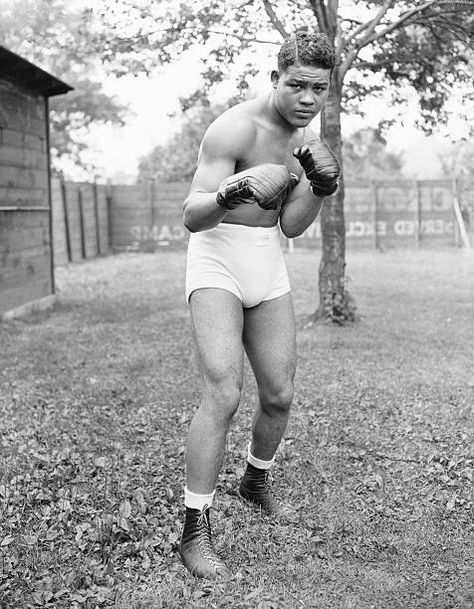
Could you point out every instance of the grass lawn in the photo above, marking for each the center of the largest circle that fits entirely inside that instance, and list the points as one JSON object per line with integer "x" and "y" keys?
{"x": 96, "y": 397}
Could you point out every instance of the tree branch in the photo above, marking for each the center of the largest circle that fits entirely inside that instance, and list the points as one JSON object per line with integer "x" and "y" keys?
{"x": 454, "y": 29}
{"x": 357, "y": 22}
{"x": 320, "y": 12}
{"x": 353, "y": 49}
{"x": 197, "y": 28}
{"x": 277, "y": 24}
{"x": 444, "y": 22}
{"x": 396, "y": 25}
{"x": 371, "y": 65}
{"x": 376, "y": 20}
{"x": 373, "y": 23}
{"x": 331, "y": 11}
{"x": 347, "y": 63}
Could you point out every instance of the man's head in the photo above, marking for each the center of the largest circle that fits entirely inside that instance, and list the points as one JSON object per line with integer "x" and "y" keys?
{"x": 305, "y": 65}
{"x": 307, "y": 49}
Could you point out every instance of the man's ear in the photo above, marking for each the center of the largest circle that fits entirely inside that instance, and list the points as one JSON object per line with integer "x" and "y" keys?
{"x": 275, "y": 78}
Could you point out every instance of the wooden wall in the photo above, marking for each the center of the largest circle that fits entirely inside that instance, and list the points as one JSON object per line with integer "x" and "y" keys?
{"x": 80, "y": 213}
{"x": 146, "y": 217}
{"x": 25, "y": 241}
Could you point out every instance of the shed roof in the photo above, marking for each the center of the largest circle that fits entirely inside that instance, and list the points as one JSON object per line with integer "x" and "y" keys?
{"x": 20, "y": 71}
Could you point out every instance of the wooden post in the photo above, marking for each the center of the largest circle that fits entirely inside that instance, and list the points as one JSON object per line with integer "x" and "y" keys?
{"x": 66, "y": 219}
{"x": 459, "y": 219}
{"x": 375, "y": 200}
{"x": 96, "y": 215}
{"x": 50, "y": 198}
{"x": 81, "y": 223}
{"x": 418, "y": 213}
{"x": 151, "y": 196}
{"x": 109, "y": 204}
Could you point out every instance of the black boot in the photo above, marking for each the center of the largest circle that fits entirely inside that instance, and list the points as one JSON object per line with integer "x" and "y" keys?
{"x": 196, "y": 549}
{"x": 255, "y": 487}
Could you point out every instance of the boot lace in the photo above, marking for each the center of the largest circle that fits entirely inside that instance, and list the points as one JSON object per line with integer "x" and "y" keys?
{"x": 204, "y": 539}
{"x": 267, "y": 483}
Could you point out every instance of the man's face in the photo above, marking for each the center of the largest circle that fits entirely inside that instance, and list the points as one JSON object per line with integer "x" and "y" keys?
{"x": 300, "y": 93}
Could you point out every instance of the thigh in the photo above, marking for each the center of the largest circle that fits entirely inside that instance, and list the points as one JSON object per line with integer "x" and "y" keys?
{"x": 270, "y": 342}
{"x": 217, "y": 322}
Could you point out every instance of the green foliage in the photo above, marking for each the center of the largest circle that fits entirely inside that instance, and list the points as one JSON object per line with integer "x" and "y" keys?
{"x": 59, "y": 38}
{"x": 426, "y": 45}
{"x": 459, "y": 161}
{"x": 366, "y": 157}
{"x": 176, "y": 160}
{"x": 74, "y": 114}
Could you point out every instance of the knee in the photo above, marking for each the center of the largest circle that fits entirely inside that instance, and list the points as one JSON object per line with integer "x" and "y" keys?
{"x": 277, "y": 400}
{"x": 222, "y": 396}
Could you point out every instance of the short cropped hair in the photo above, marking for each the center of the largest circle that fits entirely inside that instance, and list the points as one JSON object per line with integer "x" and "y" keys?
{"x": 307, "y": 49}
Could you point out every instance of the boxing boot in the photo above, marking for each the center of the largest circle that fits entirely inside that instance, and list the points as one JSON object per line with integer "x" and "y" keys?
{"x": 255, "y": 487}
{"x": 196, "y": 549}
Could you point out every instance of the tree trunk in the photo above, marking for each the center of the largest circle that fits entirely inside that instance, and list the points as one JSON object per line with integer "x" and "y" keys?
{"x": 335, "y": 303}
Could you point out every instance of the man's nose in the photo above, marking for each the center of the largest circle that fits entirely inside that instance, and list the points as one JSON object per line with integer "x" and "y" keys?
{"x": 307, "y": 97}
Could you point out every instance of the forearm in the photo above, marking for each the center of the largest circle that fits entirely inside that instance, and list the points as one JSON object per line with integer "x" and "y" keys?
{"x": 201, "y": 211}
{"x": 299, "y": 212}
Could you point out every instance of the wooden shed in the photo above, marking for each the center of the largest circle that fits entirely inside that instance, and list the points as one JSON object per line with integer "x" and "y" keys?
{"x": 26, "y": 249}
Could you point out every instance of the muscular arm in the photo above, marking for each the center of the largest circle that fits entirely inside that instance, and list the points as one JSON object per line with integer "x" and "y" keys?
{"x": 220, "y": 149}
{"x": 300, "y": 210}
{"x": 320, "y": 179}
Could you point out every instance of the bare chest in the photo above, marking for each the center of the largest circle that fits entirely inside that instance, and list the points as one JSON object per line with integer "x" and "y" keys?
{"x": 272, "y": 146}
{"x": 269, "y": 146}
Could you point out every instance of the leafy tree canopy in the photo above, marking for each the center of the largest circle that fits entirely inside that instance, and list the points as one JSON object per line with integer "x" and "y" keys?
{"x": 459, "y": 162}
{"x": 366, "y": 157}
{"x": 409, "y": 43}
{"x": 58, "y": 38}
{"x": 176, "y": 160}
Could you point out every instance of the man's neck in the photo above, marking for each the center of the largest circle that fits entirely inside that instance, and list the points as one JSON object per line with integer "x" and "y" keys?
{"x": 276, "y": 118}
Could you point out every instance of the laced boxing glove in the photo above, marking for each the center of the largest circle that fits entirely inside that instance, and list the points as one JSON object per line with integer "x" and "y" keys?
{"x": 268, "y": 185}
{"x": 320, "y": 166}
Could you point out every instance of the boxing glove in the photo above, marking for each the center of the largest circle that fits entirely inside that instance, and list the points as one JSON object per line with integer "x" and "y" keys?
{"x": 320, "y": 166}
{"x": 268, "y": 185}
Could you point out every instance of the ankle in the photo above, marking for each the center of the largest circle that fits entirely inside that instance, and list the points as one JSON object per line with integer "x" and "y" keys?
{"x": 257, "y": 463}
{"x": 255, "y": 472}
{"x": 197, "y": 501}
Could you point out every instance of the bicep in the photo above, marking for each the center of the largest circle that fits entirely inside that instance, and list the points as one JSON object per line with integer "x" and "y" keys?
{"x": 216, "y": 161}
{"x": 226, "y": 142}
{"x": 210, "y": 172}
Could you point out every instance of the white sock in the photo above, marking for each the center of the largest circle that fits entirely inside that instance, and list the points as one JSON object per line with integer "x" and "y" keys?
{"x": 258, "y": 462}
{"x": 196, "y": 501}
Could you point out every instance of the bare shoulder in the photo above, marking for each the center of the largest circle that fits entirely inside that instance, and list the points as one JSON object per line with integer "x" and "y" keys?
{"x": 233, "y": 132}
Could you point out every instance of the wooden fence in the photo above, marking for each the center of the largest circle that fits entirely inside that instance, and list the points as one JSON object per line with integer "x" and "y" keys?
{"x": 379, "y": 215}
{"x": 91, "y": 220}
{"x": 81, "y": 224}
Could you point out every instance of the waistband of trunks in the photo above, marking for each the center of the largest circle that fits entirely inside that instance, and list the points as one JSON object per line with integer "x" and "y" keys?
{"x": 244, "y": 229}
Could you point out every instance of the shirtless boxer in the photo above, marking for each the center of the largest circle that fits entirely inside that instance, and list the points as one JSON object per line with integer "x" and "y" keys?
{"x": 260, "y": 170}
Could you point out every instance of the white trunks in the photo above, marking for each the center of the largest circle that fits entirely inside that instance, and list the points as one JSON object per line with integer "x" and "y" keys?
{"x": 244, "y": 260}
